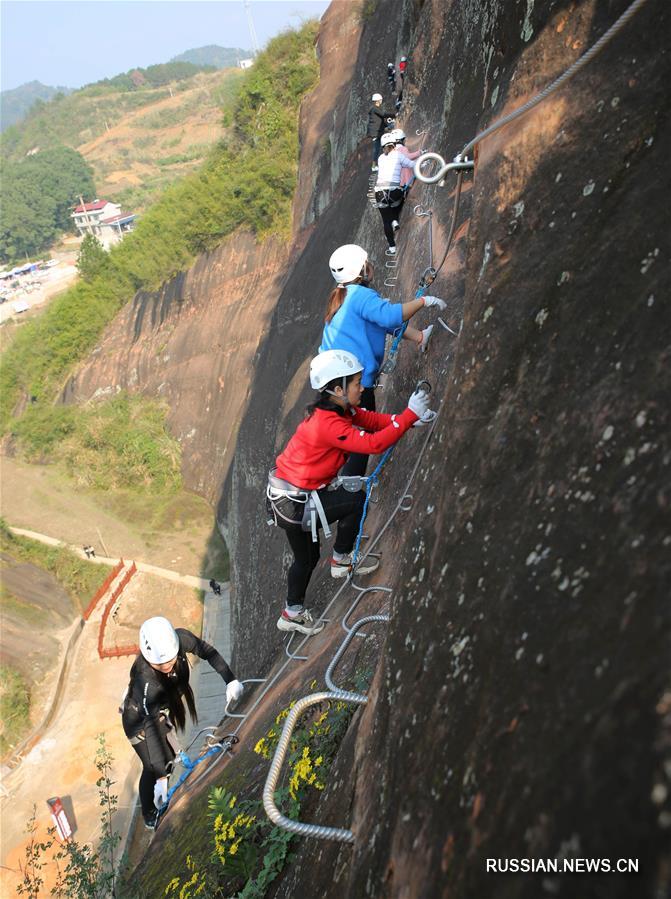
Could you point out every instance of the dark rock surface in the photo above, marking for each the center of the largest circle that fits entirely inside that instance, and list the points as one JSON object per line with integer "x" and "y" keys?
{"x": 520, "y": 705}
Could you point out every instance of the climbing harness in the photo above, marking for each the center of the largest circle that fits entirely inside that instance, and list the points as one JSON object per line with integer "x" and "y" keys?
{"x": 313, "y": 509}
{"x": 217, "y": 744}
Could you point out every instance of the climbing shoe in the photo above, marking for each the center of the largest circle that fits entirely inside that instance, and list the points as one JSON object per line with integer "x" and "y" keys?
{"x": 395, "y": 226}
{"x": 304, "y": 623}
{"x": 373, "y": 168}
{"x": 391, "y": 251}
{"x": 342, "y": 568}
{"x": 151, "y": 819}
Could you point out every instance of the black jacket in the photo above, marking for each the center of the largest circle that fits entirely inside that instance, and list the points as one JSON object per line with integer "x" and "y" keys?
{"x": 145, "y": 705}
{"x": 377, "y": 121}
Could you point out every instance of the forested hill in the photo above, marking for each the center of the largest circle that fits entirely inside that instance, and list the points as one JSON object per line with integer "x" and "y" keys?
{"x": 213, "y": 55}
{"x": 15, "y": 103}
{"x": 139, "y": 131}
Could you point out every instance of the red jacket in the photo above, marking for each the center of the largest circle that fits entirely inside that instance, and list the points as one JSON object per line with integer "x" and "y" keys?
{"x": 322, "y": 443}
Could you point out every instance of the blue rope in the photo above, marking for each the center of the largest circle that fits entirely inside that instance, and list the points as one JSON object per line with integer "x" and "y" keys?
{"x": 373, "y": 479}
{"x": 189, "y": 766}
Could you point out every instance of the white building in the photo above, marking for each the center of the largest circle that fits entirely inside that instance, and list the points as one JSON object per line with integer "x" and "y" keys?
{"x": 104, "y": 220}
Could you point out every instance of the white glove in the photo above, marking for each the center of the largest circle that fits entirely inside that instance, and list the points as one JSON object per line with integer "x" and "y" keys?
{"x": 234, "y": 691}
{"x": 161, "y": 792}
{"x": 426, "y": 336}
{"x": 419, "y": 402}
{"x": 426, "y": 419}
{"x": 435, "y": 301}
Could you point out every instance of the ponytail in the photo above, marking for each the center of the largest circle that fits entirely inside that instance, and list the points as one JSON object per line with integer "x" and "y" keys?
{"x": 339, "y": 293}
{"x": 335, "y": 301}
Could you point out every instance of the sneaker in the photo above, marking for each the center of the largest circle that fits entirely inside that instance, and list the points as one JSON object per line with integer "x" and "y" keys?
{"x": 304, "y": 623}
{"x": 392, "y": 251}
{"x": 373, "y": 168}
{"x": 343, "y": 567}
{"x": 151, "y": 820}
{"x": 395, "y": 226}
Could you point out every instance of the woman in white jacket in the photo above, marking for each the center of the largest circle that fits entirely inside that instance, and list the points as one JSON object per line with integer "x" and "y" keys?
{"x": 389, "y": 195}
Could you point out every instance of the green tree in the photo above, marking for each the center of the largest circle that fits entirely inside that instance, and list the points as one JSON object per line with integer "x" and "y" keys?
{"x": 36, "y": 196}
{"x": 92, "y": 259}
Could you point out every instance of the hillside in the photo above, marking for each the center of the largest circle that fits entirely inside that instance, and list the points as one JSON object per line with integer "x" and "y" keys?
{"x": 138, "y": 140}
{"x": 213, "y": 55}
{"x": 15, "y": 103}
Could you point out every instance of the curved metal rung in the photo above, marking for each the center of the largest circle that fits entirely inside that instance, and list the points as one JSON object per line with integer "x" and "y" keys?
{"x": 444, "y": 167}
{"x": 406, "y": 502}
{"x": 203, "y": 730}
{"x": 419, "y": 132}
{"x": 391, "y": 264}
{"x": 419, "y": 210}
{"x": 379, "y": 588}
{"x": 305, "y": 830}
{"x": 345, "y": 643}
{"x": 447, "y": 327}
{"x": 290, "y": 655}
{"x": 249, "y": 680}
{"x": 390, "y": 282}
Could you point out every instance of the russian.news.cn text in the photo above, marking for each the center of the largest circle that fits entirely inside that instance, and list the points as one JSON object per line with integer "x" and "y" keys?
{"x": 561, "y": 866}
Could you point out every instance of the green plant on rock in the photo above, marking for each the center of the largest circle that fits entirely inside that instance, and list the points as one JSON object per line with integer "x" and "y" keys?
{"x": 82, "y": 872}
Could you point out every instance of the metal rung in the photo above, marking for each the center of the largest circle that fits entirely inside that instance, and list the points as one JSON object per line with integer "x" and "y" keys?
{"x": 406, "y": 502}
{"x": 250, "y": 680}
{"x": 345, "y": 643}
{"x": 361, "y": 593}
{"x": 275, "y": 815}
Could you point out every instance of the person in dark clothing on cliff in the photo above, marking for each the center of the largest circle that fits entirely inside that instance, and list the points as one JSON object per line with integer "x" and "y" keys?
{"x": 379, "y": 121}
{"x": 153, "y": 706}
{"x": 215, "y": 588}
{"x": 391, "y": 76}
{"x": 301, "y": 496}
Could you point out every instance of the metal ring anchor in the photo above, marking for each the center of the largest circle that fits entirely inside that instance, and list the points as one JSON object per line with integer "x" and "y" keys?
{"x": 406, "y": 502}
{"x": 460, "y": 165}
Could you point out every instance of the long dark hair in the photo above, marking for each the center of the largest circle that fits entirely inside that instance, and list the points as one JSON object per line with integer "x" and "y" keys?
{"x": 324, "y": 400}
{"x": 175, "y": 685}
{"x": 338, "y": 294}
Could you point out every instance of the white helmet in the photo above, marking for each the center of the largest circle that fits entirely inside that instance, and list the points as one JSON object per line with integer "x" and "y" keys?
{"x": 159, "y": 642}
{"x": 404, "y": 59}
{"x": 398, "y": 134}
{"x": 376, "y": 97}
{"x": 387, "y": 139}
{"x": 332, "y": 364}
{"x": 347, "y": 262}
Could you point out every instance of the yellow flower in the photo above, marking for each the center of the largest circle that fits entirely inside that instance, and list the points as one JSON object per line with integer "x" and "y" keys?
{"x": 232, "y": 802}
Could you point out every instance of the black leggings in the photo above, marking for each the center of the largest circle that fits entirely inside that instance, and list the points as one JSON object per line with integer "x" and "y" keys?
{"x": 147, "y": 779}
{"x": 389, "y": 213}
{"x": 339, "y": 505}
{"x": 357, "y": 463}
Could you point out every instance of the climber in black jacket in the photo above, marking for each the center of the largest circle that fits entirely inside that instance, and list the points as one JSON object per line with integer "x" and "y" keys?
{"x": 379, "y": 121}
{"x": 153, "y": 706}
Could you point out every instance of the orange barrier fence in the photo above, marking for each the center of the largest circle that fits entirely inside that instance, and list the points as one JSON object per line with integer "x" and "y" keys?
{"x": 102, "y": 589}
{"x": 116, "y": 651}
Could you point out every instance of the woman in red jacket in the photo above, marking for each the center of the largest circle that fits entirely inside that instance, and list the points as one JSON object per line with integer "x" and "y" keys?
{"x": 299, "y": 498}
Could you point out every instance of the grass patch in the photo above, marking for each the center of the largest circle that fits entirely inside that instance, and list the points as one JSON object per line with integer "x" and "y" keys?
{"x": 14, "y": 708}
{"x": 117, "y": 444}
{"x": 26, "y": 612}
{"x": 79, "y": 578}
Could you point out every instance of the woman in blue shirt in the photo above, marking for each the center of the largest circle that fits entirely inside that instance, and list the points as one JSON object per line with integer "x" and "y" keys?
{"x": 358, "y": 320}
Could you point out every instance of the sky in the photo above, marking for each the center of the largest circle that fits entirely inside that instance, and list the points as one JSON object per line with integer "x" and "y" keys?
{"x": 69, "y": 43}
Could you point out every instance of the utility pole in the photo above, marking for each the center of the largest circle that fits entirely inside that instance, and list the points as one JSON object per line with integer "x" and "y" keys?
{"x": 252, "y": 30}
{"x": 86, "y": 215}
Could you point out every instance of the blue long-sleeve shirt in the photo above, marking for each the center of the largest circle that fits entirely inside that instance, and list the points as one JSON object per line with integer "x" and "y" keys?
{"x": 360, "y": 326}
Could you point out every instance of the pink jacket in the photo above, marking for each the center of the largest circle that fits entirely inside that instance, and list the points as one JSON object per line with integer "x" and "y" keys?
{"x": 406, "y": 174}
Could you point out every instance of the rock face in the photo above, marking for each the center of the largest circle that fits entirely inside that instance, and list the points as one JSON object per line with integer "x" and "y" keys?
{"x": 521, "y": 706}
